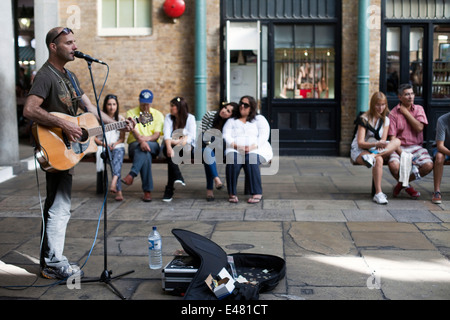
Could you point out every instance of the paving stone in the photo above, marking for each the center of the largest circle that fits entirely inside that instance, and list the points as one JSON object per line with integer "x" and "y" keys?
{"x": 335, "y": 215}
{"x": 317, "y": 237}
{"x": 413, "y": 216}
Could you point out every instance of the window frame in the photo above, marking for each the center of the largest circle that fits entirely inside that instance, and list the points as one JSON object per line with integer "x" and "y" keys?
{"x": 118, "y": 31}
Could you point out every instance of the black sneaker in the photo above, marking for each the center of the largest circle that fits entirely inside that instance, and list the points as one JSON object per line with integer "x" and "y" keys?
{"x": 61, "y": 273}
{"x": 168, "y": 194}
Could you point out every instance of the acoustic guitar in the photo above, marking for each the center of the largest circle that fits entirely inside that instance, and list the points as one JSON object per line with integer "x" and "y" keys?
{"x": 55, "y": 152}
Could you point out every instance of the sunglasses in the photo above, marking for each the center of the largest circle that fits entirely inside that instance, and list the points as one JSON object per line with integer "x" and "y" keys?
{"x": 246, "y": 105}
{"x": 63, "y": 31}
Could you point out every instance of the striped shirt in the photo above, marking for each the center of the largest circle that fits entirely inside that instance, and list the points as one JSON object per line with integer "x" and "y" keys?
{"x": 207, "y": 120}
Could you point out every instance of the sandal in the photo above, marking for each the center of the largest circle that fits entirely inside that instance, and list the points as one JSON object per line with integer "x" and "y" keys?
{"x": 254, "y": 200}
{"x": 218, "y": 183}
{"x": 119, "y": 196}
{"x": 233, "y": 199}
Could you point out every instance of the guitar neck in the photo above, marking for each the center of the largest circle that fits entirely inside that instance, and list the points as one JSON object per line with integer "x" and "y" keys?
{"x": 97, "y": 131}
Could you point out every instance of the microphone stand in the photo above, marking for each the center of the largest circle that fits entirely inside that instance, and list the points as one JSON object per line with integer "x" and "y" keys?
{"x": 105, "y": 277}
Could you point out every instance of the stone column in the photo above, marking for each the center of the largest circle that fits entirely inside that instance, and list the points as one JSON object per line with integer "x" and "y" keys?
{"x": 46, "y": 17}
{"x": 9, "y": 135}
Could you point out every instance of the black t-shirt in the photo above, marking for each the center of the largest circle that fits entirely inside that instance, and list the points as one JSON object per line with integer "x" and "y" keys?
{"x": 57, "y": 90}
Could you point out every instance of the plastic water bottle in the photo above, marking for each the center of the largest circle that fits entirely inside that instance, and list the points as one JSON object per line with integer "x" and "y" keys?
{"x": 154, "y": 249}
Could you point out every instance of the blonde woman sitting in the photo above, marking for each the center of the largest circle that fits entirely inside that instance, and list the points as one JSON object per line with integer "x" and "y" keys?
{"x": 370, "y": 146}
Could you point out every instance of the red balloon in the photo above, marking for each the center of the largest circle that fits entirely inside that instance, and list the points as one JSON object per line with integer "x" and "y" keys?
{"x": 174, "y": 8}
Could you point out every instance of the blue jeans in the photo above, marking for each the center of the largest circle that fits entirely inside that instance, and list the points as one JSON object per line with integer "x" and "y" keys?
{"x": 209, "y": 163}
{"x": 250, "y": 163}
{"x": 56, "y": 216}
{"x": 434, "y": 151}
{"x": 142, "y": 162}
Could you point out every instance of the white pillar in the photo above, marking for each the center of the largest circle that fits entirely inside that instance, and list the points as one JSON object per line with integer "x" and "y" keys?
{"x": 9, "y": 135}
{"x": 45, "y": 18}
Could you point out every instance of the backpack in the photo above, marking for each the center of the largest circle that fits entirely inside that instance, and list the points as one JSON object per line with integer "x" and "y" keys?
{"x": 359, "y": 121}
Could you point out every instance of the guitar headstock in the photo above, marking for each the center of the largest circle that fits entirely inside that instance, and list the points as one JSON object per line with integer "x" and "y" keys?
{"x": 144, "y": 118}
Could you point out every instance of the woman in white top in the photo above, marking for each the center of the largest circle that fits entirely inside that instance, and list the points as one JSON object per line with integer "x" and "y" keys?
{"x": 115, "y": 139}
{"x": 370, "y": 146}
{"x": 179, "y": 138}
{"x": 247, "y": 146}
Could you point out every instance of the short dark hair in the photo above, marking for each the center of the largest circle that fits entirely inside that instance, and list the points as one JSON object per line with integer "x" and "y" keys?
{"x": 403, "y": 87}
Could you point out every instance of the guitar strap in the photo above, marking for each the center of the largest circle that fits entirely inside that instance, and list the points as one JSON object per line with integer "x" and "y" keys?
{"x": 74, "y": 85}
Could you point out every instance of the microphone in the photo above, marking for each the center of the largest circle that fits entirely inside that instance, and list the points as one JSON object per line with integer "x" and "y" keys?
{"x": 86, "y": 57}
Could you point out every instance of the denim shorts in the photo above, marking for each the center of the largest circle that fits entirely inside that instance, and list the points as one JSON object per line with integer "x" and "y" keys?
{"x": 447, "y": 158}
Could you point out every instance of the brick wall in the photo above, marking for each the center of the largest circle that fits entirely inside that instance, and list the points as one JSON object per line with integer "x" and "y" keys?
{"x": 163, "y": 62}
{"x": 350, "y": 67}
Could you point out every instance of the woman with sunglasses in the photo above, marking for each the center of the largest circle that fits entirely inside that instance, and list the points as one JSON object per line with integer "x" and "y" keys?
{"x": 116, "y": 145}
{"x": 179, "y": 138}
{"x": 212, "y": 125}
{"x": 247, "y": 146}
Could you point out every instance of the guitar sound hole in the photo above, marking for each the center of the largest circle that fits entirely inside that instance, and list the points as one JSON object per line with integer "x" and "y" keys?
{"x": 80, "y": 146}
{"x": 84, "y": 136}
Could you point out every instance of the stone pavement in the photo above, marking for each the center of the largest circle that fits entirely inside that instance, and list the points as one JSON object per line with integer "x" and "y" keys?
{"x": 317, "y": 214}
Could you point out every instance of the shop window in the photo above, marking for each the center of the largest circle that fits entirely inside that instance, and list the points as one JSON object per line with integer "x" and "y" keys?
{"x": 441, "y": 63}
{"x": 304, "y": 62}
{"x": 416, "y": 60}
{"x": 124, "y": 17}
{"x": 393, "y": 60}
{"x": 417, "y": 9}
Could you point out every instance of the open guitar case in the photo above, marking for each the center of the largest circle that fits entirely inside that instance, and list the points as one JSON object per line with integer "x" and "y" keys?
{"x": 264, "y": 271}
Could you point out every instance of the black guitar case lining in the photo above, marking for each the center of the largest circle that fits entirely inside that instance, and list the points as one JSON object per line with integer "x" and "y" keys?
{"x": 262, "y": 271}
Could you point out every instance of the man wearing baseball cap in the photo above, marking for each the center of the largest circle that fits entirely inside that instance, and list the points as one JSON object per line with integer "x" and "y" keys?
{"x": 143, "y": 142}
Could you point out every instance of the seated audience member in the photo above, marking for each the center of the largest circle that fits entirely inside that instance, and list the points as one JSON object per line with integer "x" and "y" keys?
{"x": 143, "y": 142}
{"x": 370, "y": 146}
{"x": 213, "y": 120}
{"x": 115, "y": 140}
{"x": 179, "y": 137}
{"x": 247, "y": 146}
{"x": 441, "y": 154}
{"x": 407, "y": 122}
